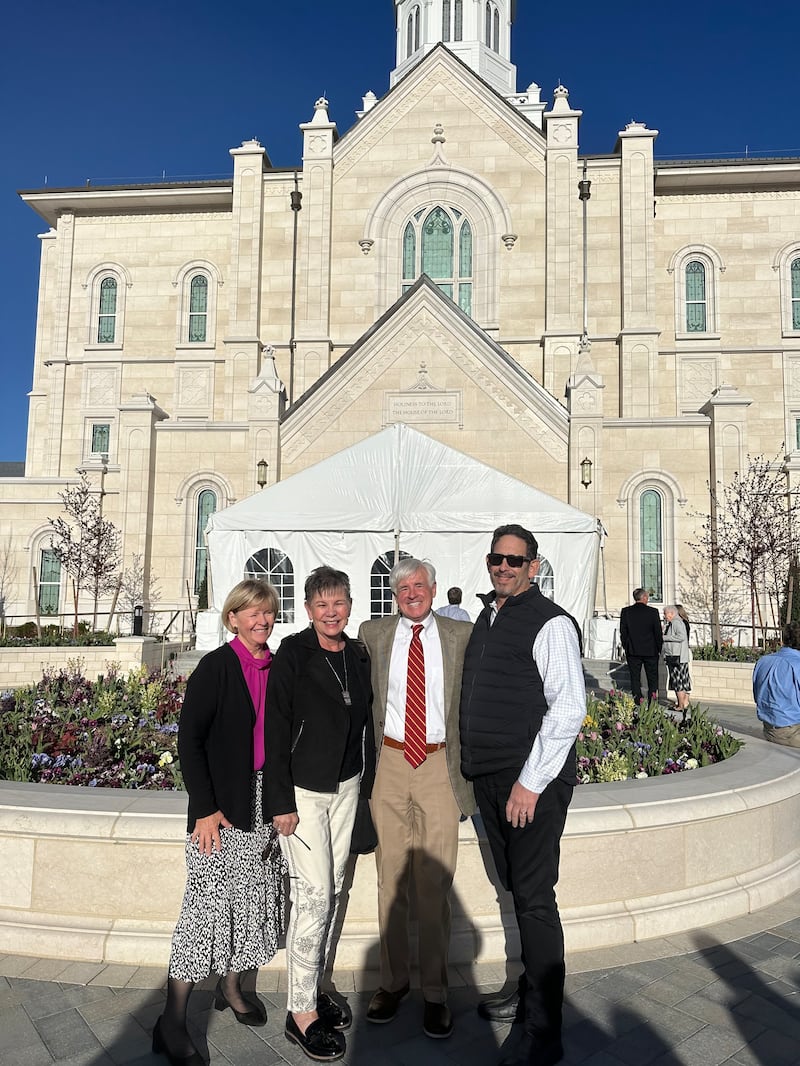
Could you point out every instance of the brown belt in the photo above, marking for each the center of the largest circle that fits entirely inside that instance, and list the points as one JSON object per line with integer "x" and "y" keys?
{"x": 390, "y": 742}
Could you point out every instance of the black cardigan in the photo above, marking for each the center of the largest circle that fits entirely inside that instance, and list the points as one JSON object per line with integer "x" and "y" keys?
{"x": 307, "y": 722}
{"x": 215, "y": 739}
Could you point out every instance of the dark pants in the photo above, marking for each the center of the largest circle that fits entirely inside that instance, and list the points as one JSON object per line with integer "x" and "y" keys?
{"x": 635, "y": 664}
{"x": 527, "y": 865}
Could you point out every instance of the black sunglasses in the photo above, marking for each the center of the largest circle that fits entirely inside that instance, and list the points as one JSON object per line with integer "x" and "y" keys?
{"x": 514, "y": 561}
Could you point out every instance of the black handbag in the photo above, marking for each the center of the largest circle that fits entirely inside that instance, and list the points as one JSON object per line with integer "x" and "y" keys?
{"x": 364, "y": 838}
{"x": 672, "y": 660}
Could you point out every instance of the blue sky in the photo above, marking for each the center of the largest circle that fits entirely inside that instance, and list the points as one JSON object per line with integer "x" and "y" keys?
{"x": 166, "y": 87}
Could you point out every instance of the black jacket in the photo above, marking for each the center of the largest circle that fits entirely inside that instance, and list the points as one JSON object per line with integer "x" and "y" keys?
{"x": 640, "y": 631}
{"x": 215, "y": 739}
{"x": 307, "y": 722}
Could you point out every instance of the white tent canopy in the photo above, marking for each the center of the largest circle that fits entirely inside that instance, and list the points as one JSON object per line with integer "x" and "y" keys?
{"x": 400, "y": 490}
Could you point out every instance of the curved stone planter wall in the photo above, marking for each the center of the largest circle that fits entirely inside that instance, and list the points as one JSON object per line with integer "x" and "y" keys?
{"x": 97, "y": 874}
{"x": 25, "y": 665}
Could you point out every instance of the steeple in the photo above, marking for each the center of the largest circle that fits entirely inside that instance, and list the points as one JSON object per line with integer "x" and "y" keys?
{"x": 477, "y": 31}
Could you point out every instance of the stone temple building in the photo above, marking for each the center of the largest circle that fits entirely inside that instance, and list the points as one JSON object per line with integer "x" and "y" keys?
{"x": 436, "y": 263}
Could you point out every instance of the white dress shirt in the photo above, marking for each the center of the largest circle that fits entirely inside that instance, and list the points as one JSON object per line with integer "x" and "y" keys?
{"x": 395, "y": 725}
{"x": 557, "y": 655}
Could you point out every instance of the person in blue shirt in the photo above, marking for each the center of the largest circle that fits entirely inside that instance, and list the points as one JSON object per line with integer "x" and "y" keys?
{"x": 776, "y": 690}
{"x": 454, "y": 608}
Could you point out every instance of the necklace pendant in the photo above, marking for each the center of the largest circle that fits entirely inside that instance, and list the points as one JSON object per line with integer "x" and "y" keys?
{"x": 346, "y": 697}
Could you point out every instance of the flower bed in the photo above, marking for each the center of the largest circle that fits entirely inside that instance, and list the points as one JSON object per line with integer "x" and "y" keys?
{"x": 118, "y": 732}
{"x": 121, "y": 732}
{"x": 619, "y": 740}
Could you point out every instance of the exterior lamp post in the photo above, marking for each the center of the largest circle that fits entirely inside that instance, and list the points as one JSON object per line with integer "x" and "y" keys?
{"x": 261, "y": 472}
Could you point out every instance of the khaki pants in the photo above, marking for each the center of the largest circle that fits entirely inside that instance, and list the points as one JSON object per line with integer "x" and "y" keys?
{"x": 416, "y": 818}
{"x": 788, "y": 735}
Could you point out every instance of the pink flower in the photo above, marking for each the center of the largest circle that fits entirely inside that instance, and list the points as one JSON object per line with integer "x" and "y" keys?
{"x": 619, "y": 726}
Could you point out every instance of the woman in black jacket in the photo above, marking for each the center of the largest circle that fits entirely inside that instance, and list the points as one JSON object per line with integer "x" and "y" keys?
{"x": 233, "y": 907}
{"x": 320, "y": 757}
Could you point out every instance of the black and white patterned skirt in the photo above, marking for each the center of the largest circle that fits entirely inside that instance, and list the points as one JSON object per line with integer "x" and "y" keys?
{"x": 233, "y": 910}
{"x": 679, "y": 680}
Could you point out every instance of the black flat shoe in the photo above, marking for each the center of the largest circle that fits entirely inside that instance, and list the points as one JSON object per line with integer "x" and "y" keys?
{"x": 383, "y": 1005}
{"x": 255, "y": 1017}
{"x": 335, "y": 1015}
{"x": 318, "y": 1041}
{"x": 160, "y": 1048}
{"x": 437, "y": 1021}
{"x": 503, "y": 1007}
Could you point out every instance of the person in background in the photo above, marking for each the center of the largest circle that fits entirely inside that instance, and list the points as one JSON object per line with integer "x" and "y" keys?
{"x": 233, "y": 907}
{"x": 454, "y": 608}
{"x": 419, "y": 792}
{"x": 320, "y": 759}
{"x": 684, "y": 618}
{"x": 776, "y": 690}
{"x": 676, "y": 657}
{"x": 641, "y": 637}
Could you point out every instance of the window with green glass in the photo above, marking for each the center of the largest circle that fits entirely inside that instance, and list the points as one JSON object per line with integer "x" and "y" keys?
{"x": 696, "y": 307}
{"x": 101, "y": 438}
{"x": 198, "y": 308}
{"x": 206, "y": 506}
{"x": 49, "y": 581}
{"x": 651, "y": 544}
{"x": 439, "y": 243}
{"x": 795, "y": 279}
{"x": 409, "y": 256}
{"x": 107, "y": 317}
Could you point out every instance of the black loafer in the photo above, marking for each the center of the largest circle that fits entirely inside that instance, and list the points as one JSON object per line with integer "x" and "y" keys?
{"x": 255, "y": 1017}
{"x": 437, "y": 1021}
{"x": 503, "y": 1007}
{"x": 336, "y": 1016}
{"x": 383, "y": 1005}
{"x": 318, "y": 1042}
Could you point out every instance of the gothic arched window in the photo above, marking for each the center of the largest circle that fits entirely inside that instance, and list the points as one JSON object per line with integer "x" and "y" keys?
{"x": 696, "y": 307}
{"x": 794, "y": 274}
{"x": 206, "y": 506}
{"x": 439, "y": 243}
{"x": 107, "y": 317}
{"x": 651, "y": 544}
{"x": 198, "y": 309}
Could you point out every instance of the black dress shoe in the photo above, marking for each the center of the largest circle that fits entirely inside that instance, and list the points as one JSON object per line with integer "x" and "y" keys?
{"x": 437, "y": 1021}
{"x": 255, "y": 1017}
{"x": 383, "y": 1005}
{"x": 318, "y": 1041}
{"x": 335, "y": 1015}
{"x": 160, "y": 1048}
{"x": 533, "y": 1051}
{"x": 503, "y": 1007}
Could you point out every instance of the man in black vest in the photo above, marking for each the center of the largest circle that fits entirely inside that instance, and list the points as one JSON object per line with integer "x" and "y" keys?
{"x": 523, "y": 700}
{"x": 641, "y": 637}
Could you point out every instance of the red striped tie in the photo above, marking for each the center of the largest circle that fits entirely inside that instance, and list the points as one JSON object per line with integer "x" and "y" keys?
{"x": 415, "y": 701}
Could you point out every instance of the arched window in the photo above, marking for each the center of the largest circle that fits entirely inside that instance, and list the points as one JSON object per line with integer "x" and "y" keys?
{"x": 651, "y": 544}
{"x": 412, "y": 31}
{"x": 445, "y": 20}
{"x": 696, "y": 304}
{"x": 273, "y": 565}
{"x": 380, "y": 594}
{"x": 546, "y": 579}
{"x": 198, "y": 309}
{"x": 49, "y": 581}
{"x": 439, "y": 244}
{"x": 794, "y": 274}
{"x": 488, "y": 27}
{"x": 458, "y": 28}
{"x": 496, "y": 30}
{"x": 206, "y": 506}
{"x": 452, "y": 20}
{"x": 107, "y": 316}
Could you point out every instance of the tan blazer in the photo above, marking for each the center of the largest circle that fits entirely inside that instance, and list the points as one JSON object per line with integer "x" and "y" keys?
{"x": 378, "y": 635}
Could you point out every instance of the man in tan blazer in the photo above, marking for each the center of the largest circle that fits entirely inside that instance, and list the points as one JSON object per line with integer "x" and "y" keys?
{"x": 419, "y": 793}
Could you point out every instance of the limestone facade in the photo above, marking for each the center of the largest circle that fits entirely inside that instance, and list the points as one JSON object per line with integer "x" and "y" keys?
{"x": 188, "y": 330}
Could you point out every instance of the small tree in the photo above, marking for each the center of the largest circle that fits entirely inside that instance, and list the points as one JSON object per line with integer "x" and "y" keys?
{"x": 132, "y": 586}
{"x": 695, "y": 593}
{"x": 753, "y": 537}
{"x": 86, "y": 544}
{"x": 8, "y": 575}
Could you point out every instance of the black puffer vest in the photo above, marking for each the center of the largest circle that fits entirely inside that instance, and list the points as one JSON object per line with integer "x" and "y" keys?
{"x": 502, "y": 696}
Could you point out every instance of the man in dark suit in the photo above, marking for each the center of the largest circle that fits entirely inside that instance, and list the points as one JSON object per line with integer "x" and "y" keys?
{"x": 641, "y": 637}
{"x": 419, "y": 792}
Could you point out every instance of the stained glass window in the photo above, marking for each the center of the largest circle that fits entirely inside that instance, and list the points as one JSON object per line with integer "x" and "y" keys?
{"x": 101, "y": 436}
{"x": 651, "y": 544}
{"x": 107, "y": 318}
{"x": 795, "y": 278}
{"x": 49, "y": 581}
{"x": 439, "y": 243}
{"x": 273, "y": 565}
{"x": 198, "y": 308}
{"x": 696, "y": 318}
{"x": 206, "y": 506}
